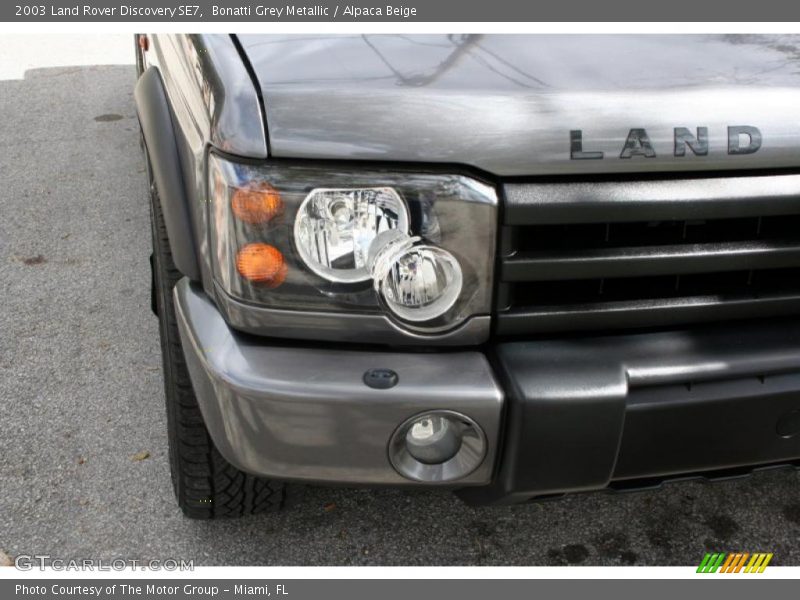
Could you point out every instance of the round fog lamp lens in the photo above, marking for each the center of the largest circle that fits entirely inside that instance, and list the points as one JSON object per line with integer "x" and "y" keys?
{"x": 437, "y": 446}
{"x": 433, "y": 439}
{"x": 423, "y": 283}
{"x": 334, "y": 228}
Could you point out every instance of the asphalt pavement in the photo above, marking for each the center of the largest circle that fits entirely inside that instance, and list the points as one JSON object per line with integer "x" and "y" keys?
{"x": 83, "y": 451}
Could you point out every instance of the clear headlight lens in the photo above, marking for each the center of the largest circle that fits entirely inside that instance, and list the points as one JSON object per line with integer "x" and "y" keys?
{"x": 416, "y": 282}
{"x": 415, "y": 247}
{"x": 334, "y": 228}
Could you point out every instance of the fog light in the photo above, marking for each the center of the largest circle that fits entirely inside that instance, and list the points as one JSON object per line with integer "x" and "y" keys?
{"x": 433, "y": 440}
{"x": 437, "y": 447}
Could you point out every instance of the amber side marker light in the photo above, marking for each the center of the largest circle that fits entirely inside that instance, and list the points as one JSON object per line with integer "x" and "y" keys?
{"x": 257, "y": 203}
{"x": 261, "y": 264}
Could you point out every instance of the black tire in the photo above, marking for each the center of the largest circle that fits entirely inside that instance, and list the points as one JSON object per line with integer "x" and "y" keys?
{"x": 206, "y": 485}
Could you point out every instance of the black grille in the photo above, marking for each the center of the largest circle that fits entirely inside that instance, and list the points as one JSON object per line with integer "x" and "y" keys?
{"x": 647, "y": 254}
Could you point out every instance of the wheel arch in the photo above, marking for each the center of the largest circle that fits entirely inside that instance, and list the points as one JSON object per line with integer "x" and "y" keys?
{"x": 155, "y": 118}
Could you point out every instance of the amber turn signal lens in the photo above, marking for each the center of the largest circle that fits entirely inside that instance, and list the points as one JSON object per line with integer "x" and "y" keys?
{"x": 257, "y": 203}
{"x": 262, "y": 264}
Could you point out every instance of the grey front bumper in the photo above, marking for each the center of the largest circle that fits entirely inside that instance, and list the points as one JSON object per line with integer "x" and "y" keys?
{"x": 298, "y": 413}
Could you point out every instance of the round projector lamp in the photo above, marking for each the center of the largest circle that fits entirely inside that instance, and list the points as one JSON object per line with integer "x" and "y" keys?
{"x": 437, "y": 447}
{"x": 417, "y": 282}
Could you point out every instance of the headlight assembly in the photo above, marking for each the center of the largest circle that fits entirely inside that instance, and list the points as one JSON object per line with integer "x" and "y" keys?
{"x": 417, "y": 248}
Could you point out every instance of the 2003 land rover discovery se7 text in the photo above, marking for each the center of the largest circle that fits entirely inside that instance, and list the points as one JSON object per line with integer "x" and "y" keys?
{"x": 515, "y": 266}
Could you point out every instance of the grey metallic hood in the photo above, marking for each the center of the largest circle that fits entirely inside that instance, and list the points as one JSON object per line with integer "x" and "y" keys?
{"x": 508, "y": 103}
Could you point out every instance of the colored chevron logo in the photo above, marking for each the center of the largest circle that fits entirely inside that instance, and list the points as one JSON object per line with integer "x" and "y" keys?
{"x": 734, "y": 562}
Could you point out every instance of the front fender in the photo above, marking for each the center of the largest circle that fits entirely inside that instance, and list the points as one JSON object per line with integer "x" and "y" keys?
{"x": 157, "y": 127}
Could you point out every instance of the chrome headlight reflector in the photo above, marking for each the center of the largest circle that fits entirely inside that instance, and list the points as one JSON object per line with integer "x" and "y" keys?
{"x": 334, "y": 228}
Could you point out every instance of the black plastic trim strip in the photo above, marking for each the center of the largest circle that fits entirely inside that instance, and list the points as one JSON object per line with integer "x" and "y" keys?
{"x": 650, "y": 200}
{"x": 681, "y": 259}
{"x": 159, "y": 135}
{"x": 644, "y": 313}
